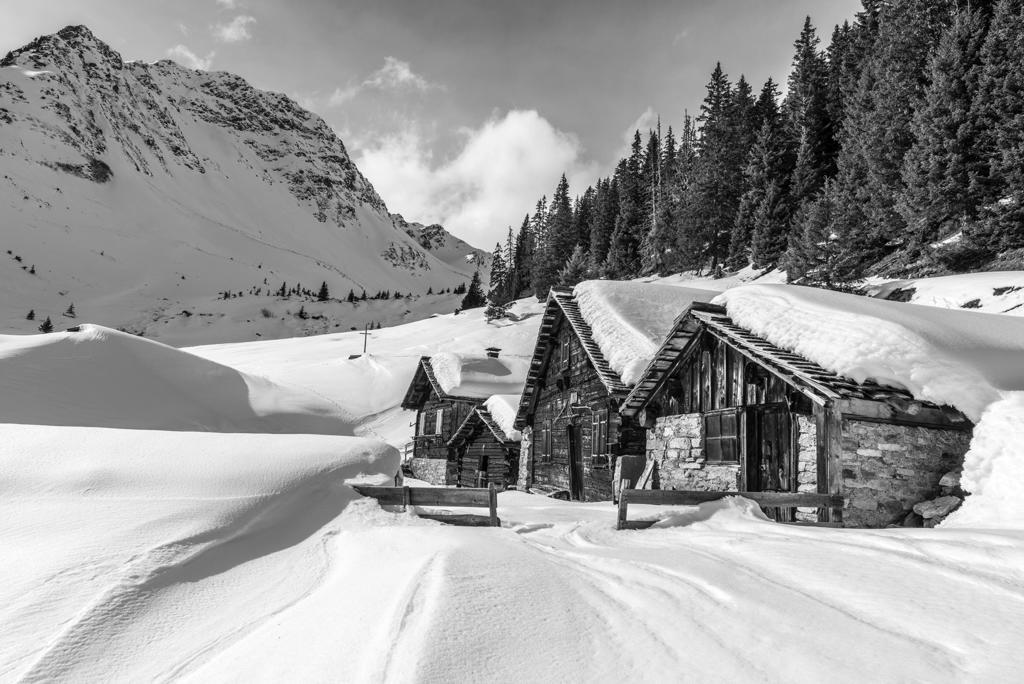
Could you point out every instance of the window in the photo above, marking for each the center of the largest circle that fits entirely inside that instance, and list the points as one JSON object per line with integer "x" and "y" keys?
{"x": 564, "y": 354}
{"x": 722, "y": 436}
{"x": 422, "y": 430}
{"x": 439, "y": 422}
{"x": 599, "y": 436}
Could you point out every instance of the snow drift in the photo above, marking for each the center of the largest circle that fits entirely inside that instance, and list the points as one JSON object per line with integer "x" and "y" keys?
{"x": 630, "y": 319}
{"x": 104, "y": 378}
{"x": 972, "y": 361}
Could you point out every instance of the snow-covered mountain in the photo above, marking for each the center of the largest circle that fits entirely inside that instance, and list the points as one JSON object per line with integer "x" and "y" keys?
{"x": 137, "y": 191}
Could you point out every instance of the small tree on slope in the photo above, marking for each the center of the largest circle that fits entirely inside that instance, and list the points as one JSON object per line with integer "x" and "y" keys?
{"x": 47, "y": 326}
{"x": 474, "y": 295}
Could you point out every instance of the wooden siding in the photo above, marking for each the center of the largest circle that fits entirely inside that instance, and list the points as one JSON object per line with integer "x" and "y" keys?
{"x": 483, "y": 460}
{"x": 573, "y": 403}
{"x": 428, "y": 443}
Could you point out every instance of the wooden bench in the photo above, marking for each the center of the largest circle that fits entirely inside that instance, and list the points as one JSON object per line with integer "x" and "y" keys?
{"x": 671, "y": 497}
{"x": 440, "y": 496}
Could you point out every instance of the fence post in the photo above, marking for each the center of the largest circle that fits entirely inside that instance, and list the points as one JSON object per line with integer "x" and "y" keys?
{"x": 492, "y": 497}
{"x": 621, "y": 522}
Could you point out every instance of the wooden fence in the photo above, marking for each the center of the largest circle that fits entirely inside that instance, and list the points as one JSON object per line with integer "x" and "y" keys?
{"x": 440, "y": 496}
{"x": 670, "y": 497}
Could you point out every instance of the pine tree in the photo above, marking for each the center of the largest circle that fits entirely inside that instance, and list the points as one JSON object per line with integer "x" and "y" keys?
{"x": 70, "y": 311}
{"x": 474, "y": 295}
{"x": 324, "y": 294}
{"x": 351, "y": 296}
{"x": 575, "y": 268}
{"x": 47, "y": 326}
{"x": 807, "y": 117}
{"x": 558, "y": 239}
{"x": 31, "y": 315}
{"x": 813, "y": 255}
{"x": 302, "y": 313}
{"x": 540, "y": 268}
{"x": 945, "y": 169}
{"x": 1001, "y": 109}
{"x": 498, "y": 297}
{"x": 524, "y": 248}
{"x": 877, "y": 132}
{"x": 606, "y": 209}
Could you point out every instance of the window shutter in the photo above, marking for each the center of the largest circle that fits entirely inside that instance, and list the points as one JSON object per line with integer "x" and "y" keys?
{"x": 440, "y": 421}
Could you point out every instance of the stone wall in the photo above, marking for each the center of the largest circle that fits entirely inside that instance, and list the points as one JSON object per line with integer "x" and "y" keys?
{"x": 675, "y": 445}
{"x": 889, "y": 468}
{"x": 806, "y": 463}
{"x": 432, "y": 470}
{"x": 524, "y": 480}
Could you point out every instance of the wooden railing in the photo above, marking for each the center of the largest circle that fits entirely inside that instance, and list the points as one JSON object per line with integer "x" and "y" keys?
{"x": 671, "y": 497}
{"x": 440, "y": 496}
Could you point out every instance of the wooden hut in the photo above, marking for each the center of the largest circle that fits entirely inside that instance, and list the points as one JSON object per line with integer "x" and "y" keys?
{"x": 726, "y": 410}
{"x": 481, "y": 452}
{"x": 444, "y": 391}
{"x": 569, "y": 409}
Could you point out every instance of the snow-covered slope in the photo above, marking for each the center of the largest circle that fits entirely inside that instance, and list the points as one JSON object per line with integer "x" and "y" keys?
{"x": 137, "y": 190}
{"x": 989, "y": 292}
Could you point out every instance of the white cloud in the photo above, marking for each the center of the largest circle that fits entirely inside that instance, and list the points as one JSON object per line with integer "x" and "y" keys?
{"x": 647, "y": 121}
{"x": 394, "y": 76}
{"x": 503, "y": 168}
{"x": 182, "y": 55}
{"x": 182, "y": 28}
{"x": 235, "y": 30}
{"x": 228, "y": 4}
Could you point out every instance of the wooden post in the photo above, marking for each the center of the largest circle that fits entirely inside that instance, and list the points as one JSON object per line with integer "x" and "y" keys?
{"x": 405, "y": 498}
{"x": 492, "y": 495}
{"x": 621, "y": 522}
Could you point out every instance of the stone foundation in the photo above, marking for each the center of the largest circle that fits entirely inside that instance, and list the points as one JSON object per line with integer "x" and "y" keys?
{"x": 806, "y": 463}
{"x": 675, "y": 445}
{"x": 889, "y": 468}
{"x": 432, "y": 470}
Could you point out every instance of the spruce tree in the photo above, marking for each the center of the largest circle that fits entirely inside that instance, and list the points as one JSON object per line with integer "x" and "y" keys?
{"x": 324, "y": 294}
{"x": 524, "y": 249}
{"x": 606, "y": 209}
{"x": 498, "y": 297}
{"x": 540, "y": 270}
{"x": 945, "y": 169}
{"x": 575, "y": 268}
{"x": 474, "y": 295}
{"x": 70, "y": 311}
{"x": 1001, "y": 109}
{"x": 31, "y": 315}
{"x": 807, "y": 117}
{"x": 47, "y": 326}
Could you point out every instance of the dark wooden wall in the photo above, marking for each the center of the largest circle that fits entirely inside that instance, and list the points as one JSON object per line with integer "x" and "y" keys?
{"x": 501, "y": 462}
{"x": 570, "y": 379}
{"x": 429, "y": 445}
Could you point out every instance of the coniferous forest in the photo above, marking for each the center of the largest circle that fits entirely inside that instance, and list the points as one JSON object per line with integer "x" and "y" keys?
{"x": 896, "y": 148}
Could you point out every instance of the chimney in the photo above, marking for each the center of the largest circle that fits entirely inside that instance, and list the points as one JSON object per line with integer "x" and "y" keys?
{"x": 492, "y": 352}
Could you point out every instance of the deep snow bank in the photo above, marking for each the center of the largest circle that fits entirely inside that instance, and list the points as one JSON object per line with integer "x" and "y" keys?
{"x": 104, "y": 378}
{"x": 972, "y": 361}
{"x": 119, "y": 545}
{"x": 630, "y": 319}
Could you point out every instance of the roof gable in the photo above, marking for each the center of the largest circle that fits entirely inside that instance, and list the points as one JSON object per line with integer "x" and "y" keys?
{"x": 819, "y": 384}
{"x": 562, "y": 305}
{"x": 424, "y": 381}
{"x": 479, "y": 415}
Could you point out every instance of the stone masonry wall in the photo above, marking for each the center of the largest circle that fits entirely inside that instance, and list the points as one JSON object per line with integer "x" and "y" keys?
{"x": 674, "y": 444}
{"x": 432, "y": 470}
{"x": 806, "y": 463}
{"x": 889, "y": 468}
{"x": 523, "y": 481}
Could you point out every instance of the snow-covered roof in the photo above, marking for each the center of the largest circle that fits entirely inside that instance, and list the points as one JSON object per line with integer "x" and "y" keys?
{"x": 629, "y": 320}
{"x": 503, "y": 408}
{"x": 972, "y": 361}
{"x": 465, "y": 376}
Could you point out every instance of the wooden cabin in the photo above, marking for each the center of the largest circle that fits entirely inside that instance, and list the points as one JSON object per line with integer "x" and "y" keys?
{"x": 444, "y": 391}
{"x": 725, "y": 410}
{"x": 482, "y": 453}
{"x": 572, "y": 430}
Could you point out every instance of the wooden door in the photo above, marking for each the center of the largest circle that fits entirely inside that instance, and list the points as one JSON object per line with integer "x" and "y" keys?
{"x": 575, "y": 462}
{"x": 481, "y": 464}
{"x": 769, "y": 458}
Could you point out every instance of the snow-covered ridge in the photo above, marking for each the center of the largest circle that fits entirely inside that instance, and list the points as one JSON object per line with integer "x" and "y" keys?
{"x": 140, "y": 190}
{"x": 631, "y": 319}
{"x": 972, "y": 361}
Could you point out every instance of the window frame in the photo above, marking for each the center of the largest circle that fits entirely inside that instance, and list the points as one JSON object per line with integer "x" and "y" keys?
{"x": 714, "y": 441}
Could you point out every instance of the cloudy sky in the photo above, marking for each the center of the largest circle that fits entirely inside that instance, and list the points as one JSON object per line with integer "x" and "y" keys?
{"x": 461, "y": 111}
